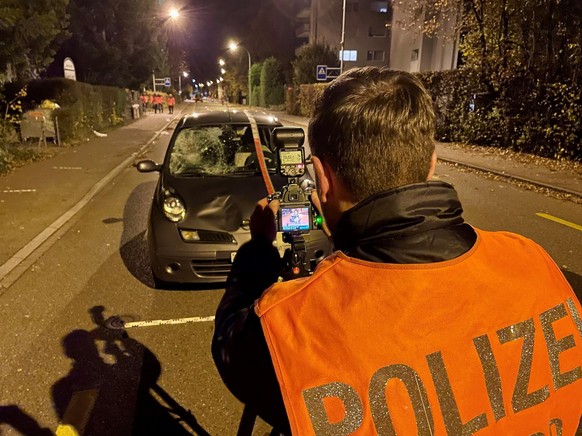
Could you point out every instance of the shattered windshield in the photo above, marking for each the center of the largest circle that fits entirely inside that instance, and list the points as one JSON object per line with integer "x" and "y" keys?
{"x": 218, "y": 150}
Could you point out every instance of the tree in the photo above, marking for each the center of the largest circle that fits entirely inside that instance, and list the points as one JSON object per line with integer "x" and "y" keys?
{"x": 308, "y": 57}
{"x": 30, "y": 32}
{"x": 272, "y": 86}
{"x": 117, "y": 42}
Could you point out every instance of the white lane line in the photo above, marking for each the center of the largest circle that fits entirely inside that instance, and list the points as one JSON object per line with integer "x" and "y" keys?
{"x": 67, "y": 168}
{"x": 17, "y": 191}
{"x": 167, "y": 321}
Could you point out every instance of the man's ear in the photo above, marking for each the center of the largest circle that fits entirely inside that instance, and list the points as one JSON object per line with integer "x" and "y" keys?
{"x": 324, "y": 182}
{"x": 433, "y": 162}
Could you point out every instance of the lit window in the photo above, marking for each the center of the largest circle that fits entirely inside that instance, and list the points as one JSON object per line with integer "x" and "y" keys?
{"x": 379, "y": 6}
{"x": 349, "y": 55}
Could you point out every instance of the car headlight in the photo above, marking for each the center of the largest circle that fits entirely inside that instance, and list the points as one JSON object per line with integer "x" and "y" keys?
{"x": 174, "y": 209}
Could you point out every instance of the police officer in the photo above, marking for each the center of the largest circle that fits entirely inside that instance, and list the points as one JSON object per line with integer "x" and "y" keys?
{"x": 419, "y": 323}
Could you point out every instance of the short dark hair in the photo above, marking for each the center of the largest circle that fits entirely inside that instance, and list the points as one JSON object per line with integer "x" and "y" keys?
{"x": 375, "y": 128}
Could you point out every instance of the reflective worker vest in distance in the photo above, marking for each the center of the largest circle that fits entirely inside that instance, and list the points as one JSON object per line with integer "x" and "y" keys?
{"x": 487, "y": 343}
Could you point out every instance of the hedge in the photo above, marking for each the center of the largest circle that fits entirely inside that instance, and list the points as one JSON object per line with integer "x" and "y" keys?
{"x": 83, "y": 108}
{"x": 524, "y": 115}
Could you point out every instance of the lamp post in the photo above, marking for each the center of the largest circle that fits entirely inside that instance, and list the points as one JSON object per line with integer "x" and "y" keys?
{"x": 232, "y": 47}
{"x": 185, "y": 74}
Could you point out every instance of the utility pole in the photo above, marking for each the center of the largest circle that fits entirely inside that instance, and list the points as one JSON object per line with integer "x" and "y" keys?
{"x": 343, "y": 40}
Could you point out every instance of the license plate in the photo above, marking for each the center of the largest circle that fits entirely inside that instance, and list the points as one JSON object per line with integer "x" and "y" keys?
{"x": 232, "y": 256}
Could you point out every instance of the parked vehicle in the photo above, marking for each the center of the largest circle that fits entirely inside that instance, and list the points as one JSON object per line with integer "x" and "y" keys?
{"x": 209, "y": 185}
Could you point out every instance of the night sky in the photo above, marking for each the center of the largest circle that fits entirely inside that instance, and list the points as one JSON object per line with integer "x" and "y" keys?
{"x": 265, "y": 27}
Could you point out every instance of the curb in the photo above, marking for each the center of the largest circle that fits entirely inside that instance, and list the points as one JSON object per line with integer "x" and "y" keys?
{"x": 512, "y": 177}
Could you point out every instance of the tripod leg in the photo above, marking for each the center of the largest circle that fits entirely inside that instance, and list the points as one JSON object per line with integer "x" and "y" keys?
{"x": 247, "y": 422}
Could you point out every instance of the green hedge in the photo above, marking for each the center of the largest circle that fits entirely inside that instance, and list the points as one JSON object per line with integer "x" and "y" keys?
{"x": 83, "y": 108}
{"x": 523, "y": 114}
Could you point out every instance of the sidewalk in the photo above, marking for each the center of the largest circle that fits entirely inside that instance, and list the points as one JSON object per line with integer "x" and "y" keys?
{"x": 540, "y": 172}
{"x": 34, "y": 196}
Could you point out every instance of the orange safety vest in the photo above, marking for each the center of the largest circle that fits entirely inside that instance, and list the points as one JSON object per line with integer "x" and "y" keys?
{"x": 489, "y": 342}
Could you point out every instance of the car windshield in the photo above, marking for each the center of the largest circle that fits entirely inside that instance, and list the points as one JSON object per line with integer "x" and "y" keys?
{"x": 218, "y": 150}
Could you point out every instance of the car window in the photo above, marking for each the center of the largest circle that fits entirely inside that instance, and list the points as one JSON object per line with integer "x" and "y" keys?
{"x": 218, "y": 150}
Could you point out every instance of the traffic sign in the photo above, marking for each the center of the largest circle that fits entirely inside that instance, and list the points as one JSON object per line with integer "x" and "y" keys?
{"x": 321, "y": 72}
{"x": 167, "y": 82}
{"x": 333, "y": 73}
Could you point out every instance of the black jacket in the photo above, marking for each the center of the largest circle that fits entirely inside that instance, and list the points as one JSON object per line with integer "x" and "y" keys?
{"x": 418, "y": 223}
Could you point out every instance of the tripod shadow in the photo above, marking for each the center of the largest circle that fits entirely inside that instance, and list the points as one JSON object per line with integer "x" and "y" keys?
{"x": 20, "y": 421}
{"x": 112, "y": 387}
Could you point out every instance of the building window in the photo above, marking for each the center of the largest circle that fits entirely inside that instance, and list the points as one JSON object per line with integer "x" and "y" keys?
{"x": 379, "y": 6}
{"x": 414, "y": 56}
{"x": 377, "y": 32}
{"x": 349, "y": 55}
{"x": 376, "y": 55}
{"x": 352, "y": 7}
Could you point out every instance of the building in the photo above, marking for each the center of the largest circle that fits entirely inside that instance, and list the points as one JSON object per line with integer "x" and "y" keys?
{"x": 373, "y": 36}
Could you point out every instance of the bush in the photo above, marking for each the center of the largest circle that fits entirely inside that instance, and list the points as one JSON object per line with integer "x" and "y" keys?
{"x": 524, "y": 115}
{"x": 271, "y": 92}
{"x": 309, "y": 94}
{"x": 84, "y": 107}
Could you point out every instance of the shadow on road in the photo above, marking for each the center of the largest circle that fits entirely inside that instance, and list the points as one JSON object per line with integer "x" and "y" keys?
{"x": 20, "y": 421}
{"x": 112, "y": 387}
{"x": 575, "y": 281}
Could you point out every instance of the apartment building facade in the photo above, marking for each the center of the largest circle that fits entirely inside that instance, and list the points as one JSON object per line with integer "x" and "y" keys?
{"x": 373, "y": 36}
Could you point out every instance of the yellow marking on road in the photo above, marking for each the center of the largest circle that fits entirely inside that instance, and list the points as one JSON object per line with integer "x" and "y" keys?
{"x": 559, "y": 220}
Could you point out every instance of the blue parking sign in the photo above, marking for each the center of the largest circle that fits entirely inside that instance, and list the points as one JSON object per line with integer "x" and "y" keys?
{"x": 321, "y": 72}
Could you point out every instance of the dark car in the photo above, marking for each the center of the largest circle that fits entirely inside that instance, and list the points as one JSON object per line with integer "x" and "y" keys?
{"x": 209, "y": 185}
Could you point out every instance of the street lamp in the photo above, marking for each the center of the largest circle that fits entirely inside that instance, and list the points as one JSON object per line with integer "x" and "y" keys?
{"x": 185, "y": 74}
{"x": 221, "y": 62}
{"x": 232, "y": 46}
{"x": 174, "y": 13}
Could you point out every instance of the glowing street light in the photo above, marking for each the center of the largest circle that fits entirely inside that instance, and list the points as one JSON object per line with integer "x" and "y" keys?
{"x": 174, "y": 13}
{"x": 232, "y": 46}
{"x": 185, "y": 74}
{"x": 223, "y": 71}
{"x": 221, "y": 62}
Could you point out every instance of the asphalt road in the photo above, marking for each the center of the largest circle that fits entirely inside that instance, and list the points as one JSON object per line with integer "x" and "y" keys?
{"x": 55, "y": 343}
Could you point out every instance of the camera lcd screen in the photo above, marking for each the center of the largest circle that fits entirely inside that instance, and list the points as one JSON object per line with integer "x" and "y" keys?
{"x": 291, "y": 157}
{"x": 295, "y": 218}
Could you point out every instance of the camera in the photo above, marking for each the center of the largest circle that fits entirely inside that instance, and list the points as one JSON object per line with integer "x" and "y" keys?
{"x": 296, "y": 213}
{"x": 296, "y": 217}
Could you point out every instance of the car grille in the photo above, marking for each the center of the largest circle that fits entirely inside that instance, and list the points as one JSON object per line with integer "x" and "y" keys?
{"x": 214, "y": 237}
{"x": 211, "y": 268}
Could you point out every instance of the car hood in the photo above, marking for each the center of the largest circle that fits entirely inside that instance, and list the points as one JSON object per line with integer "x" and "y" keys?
{"x": 218, "y": 203}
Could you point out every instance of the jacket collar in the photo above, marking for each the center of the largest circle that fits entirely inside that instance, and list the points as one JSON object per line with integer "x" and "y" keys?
{"x": 415, "y": 223}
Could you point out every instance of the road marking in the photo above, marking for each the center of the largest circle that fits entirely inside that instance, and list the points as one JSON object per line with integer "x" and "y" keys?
{"x": 559, "y": 220}
{"x": 168, "y": 321}
{"x": 67, "y": 168}
{"x": 17, "y": 191}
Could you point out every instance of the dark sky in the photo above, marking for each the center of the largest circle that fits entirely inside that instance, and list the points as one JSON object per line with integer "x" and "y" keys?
{"x": 265, "y": 27}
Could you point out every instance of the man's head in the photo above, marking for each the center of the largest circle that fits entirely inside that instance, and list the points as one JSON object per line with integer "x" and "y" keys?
{"x": 373, "y": 130}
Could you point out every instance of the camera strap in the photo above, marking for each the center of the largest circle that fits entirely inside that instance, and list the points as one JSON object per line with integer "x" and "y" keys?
{"x": 260, "y": 155}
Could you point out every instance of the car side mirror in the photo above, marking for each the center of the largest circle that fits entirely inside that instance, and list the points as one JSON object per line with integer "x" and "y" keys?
{"x": 148, "y": 166}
